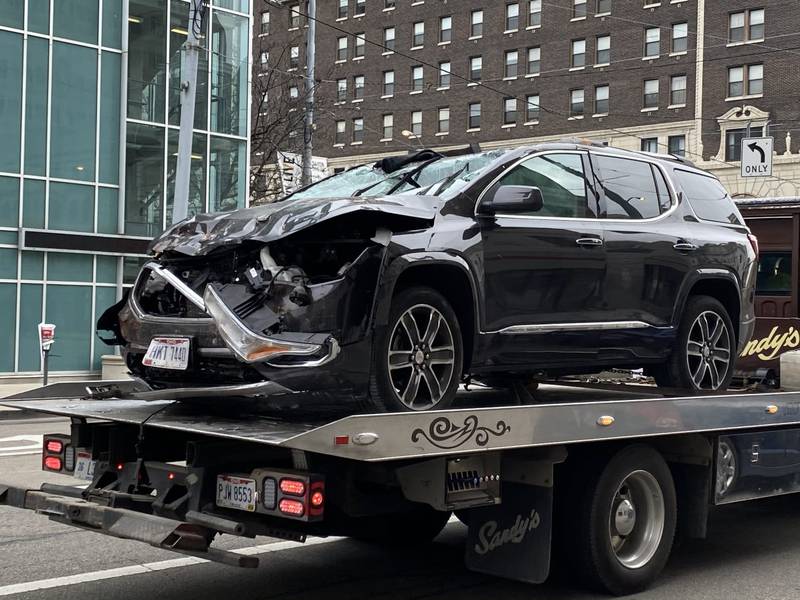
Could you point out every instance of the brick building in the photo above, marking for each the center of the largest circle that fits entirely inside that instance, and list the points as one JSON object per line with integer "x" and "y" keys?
{"x": 684, "y": 76}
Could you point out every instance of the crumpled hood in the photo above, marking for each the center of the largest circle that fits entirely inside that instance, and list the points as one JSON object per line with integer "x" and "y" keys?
{"x": 203, "y": 233}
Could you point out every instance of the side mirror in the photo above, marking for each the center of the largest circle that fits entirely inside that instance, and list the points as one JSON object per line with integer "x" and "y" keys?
{"x": 514, "y": 199}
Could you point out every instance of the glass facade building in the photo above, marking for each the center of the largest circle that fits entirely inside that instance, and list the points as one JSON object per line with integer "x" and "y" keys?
{"x": 89, "y": 116}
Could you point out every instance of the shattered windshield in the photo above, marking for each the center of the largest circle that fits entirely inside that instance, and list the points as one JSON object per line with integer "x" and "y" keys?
{"x": 463, "y": 172}
{"x": 341, "y": 184}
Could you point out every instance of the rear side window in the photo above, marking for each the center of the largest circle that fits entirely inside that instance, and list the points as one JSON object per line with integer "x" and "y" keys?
{"x": 708, "y": 198}
{"x": 629, "y": 189}
{"x": 774, "y": 274}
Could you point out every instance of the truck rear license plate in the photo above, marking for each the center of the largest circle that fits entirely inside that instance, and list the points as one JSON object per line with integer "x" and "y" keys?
{"x": 84, "y": 466}
{"x": 236, "y": 492}
{"x": 167, "y": 353}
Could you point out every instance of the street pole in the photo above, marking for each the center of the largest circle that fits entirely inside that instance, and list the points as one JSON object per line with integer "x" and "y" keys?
{"x": 180, "y": 206}
{"x": 308, "y": 124}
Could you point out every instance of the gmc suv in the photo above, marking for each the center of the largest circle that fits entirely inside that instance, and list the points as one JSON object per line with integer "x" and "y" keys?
{"x": 560, "y": 258}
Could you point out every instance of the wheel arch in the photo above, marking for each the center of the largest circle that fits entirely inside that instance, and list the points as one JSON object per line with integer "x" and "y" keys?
{"x": 720, "y": 284}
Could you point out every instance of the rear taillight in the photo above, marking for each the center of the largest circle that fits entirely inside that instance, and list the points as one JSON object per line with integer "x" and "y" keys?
{"x": 292, "y": 507}
{"x": 753, "y": 242}
{"x": 291, "y": 494}
{"x": 52, "y": 463}
{"x": 293, "y": 487}
{"x": 57, "y": 454}
{"x": 55, "y": 446}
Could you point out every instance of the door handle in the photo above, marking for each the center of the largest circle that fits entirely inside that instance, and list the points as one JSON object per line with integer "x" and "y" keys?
{"x": 590, "y": 242}
{"x": 685, "y": 247}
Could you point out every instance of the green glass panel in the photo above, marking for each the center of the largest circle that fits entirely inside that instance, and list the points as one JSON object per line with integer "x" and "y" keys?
{"x": 10, "y": 99}
{"x": 229, "y": 72}
{"x": 8, "y": 324}
{"x": 8, "y": 237}
{"x": 112, "y": 23}
{"x": 33, "y": 203}
{"x": 76, "y": 20}
{"x": 9, "y": 202}
{"x": 107, "y": 209}
{"x": 71, "y": 207}
{"x": 131, "y": 267}
{"x": 69, "y": 267}
{"x": 72, "y": 111}
{"x": 30, "y": 315}
{"x": 240, "y": 5}
{"x": 104, "y": 297}
{"x": 8, "y": 264}
{"x": 36, "y": 107}
{"x": 147, "y": 59}
{"x": 32, "y": 265}
{"x": 109, "y": 117}
{"x": 226, "y": 174}
{"x": 69, "y": 308}
{"x": 197, "y": 178}
{"x": 179, "y": 17}
{"x": 144, "y": 179}
{"x": 106, "y": 269}
{"x": 39, "y": 16}
{"x": 11, "y": 14}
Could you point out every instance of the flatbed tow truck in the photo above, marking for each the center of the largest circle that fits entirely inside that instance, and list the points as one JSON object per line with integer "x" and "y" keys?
{"x": 601, "y": 477}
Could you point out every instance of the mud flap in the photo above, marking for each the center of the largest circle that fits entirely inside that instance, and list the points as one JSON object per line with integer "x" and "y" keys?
{"x": 512, "y": 539}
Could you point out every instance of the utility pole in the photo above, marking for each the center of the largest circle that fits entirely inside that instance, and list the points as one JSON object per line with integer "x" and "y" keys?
{"x": 180, "y": 207}
{"x": 308, "y": 124}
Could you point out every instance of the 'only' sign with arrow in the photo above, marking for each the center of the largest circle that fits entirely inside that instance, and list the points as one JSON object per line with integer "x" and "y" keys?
{"x": 757, "y": 157}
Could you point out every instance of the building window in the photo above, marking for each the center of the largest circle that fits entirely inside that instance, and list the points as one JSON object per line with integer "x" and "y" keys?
{"x": 576, "y": 98}
{"x": 294, "y": 16}
{"x": 601, "y": 100}
{"x": 509, "y": 111}
{"x": 418, "y": 38}
{"x": 361, "y": 7}
{"x": 388, "y": 127}
{"x": 294, "y": 92}
{"x": 578, "y": 57}
{"x": 265, "y": 23}
{"x": 651, "y": 93}
{"x": 652, "y": 42}
{"x": 579, "y": 9}
{"x": 342, "y": 13}
{"x": 341, "y": 90}
{"x": 341, "y": 48}
{"x": 388, "y": 39}
{"x": 341, "y": 132}
{"x": 532, "y": 108}
{"x": 360, "y": 43}
{"x": 444, "y": 74}
{"x": 603, "y": 7}
{"x": 416, "y": 79}
{"x": 475, "y": 68}
{"x": 358, "y": 87}
{"x": 476, "y": 23}
{"x": 746, "y": 26}
{"x": 534, "y": 60}
{"x": 677, "y": 145}
{"x": 603, "y": 50}
{"x": 474, "y": 118}
{"x": 294, "y": 57}
{"x": 680, "y": 37}
{"x": 649, "y": 145}
{"x": 443, "y": 124}
{"x": 264, "y": 58}
{"x": 747, "y": 80}
{"x": 535, "y": 13}
{"x": 416, "y": 123}
{"x": 445, "y": 29}
{"x": 511, "y": 62}
{"x": 358, "y": 129}
{"x": 388, "y": 3}
{"x": 512, "y": 16}
{"x": 388, "y": 83}
{"x": 677, "y": 90}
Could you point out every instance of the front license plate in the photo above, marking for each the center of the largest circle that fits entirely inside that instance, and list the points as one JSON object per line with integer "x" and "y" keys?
{"x": 236, "y": 492}
{"x": 84, "y": 466}
{"x": 168, "y": 353}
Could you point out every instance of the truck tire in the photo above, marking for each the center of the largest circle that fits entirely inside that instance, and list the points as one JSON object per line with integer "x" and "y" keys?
{"x": 417, "y": 526}
{"x": 417, "y": 359}
{"x": 626, "y": 521}
{"x": 704, "y": 353}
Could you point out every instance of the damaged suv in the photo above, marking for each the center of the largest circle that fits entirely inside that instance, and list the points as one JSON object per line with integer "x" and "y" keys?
{"x": 554, "y": 259}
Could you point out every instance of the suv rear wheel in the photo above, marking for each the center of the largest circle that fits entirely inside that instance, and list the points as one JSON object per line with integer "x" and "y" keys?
{"x": 704, "y": 352}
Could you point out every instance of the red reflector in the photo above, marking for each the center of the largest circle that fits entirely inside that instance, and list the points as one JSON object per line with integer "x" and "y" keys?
{"x": 171, "y": 476}
{"x": 53, "y": 463}
{"x": 292, "y": 507}
{"x": 341, "y": 440}
{"x": 55, "y": 446}
{"x": 293, "y": 487}
{"x": 120, "y": 466}
{"x": 317, "y": 499}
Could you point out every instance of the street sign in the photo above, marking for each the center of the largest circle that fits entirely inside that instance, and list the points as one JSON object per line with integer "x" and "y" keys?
{"x": 47, "y": 335}
{"x": 757, "y": 157}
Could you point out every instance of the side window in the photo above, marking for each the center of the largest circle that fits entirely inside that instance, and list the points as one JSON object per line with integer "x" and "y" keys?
{"x": 708, "y": 198}
{"x": 774, "y": 274}
{"x": 664, "y": 199}
{"x": 561, "y": 179}
{"x": 629, "y": 189}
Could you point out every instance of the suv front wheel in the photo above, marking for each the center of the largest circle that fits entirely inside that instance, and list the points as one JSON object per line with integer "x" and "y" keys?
{"x": 704, "y": 352}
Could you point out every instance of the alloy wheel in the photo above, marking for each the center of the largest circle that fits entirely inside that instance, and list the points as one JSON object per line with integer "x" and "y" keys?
{"x": 726, "y": 468}
{"x": 708, "y": 351}
{"x": 636, "y": 522}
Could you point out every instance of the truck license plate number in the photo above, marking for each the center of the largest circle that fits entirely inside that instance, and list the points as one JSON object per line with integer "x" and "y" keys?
{"x": 84, "y": 466}
{"x": 167, "y": 353}
{"x": 236, "y": 492}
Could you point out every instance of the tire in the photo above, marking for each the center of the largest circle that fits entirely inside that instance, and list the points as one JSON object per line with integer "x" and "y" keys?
{"x": 687, "y": 364}
{"x": 425, "y": 372}
{"x": 727, "y": 467}
{"x": 616, "y": 553}
{"x": 415, "y": 527}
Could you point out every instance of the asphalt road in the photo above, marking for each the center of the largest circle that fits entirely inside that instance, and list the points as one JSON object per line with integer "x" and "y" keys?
{"x": 751, "y": 553}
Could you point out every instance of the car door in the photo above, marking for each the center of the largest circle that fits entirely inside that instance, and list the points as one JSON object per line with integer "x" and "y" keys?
{"x": 646, "y": 245}
{"x": 544, "y": 272}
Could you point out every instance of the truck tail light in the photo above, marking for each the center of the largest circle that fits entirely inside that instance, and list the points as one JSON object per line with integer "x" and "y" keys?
{"x": 292, "y": 507}
{"x": 293, "y": 487}
{"x": 52, "y": 463}
{"x": 57, "y": 454}
{"x": 753, "y": 242}
{"x": 55, "y": 446}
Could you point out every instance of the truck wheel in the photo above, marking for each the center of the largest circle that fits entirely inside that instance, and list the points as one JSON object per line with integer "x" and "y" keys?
{"x": 418, "y": 526}
{"x": 727, "y": 467}
{"x": 704, "y": 352}
{"x": 626, "y": 523}
{"x": 417, "y": 358}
